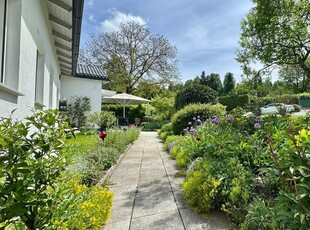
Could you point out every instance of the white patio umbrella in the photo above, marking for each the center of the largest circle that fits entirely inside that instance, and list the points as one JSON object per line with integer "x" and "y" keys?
{"x": 124, "y": 99}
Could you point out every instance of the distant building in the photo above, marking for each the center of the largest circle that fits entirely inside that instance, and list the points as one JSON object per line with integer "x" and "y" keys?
{"x": 39, "y": 47}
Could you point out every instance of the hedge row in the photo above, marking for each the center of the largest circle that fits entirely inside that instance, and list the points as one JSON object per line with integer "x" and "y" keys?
{"x": 235, "y": 101}
{"x": 185, "y": 115}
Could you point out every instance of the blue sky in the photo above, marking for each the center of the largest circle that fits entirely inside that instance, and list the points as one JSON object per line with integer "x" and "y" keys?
{"x": 205, "y": 32}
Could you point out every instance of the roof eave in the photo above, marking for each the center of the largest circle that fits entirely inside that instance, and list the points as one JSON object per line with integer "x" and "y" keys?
{"x": 77, "y": 15}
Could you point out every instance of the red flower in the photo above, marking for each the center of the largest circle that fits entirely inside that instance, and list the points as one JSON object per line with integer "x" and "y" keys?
{"x": 197, "y": 138}
{"x": 102, "y": 135}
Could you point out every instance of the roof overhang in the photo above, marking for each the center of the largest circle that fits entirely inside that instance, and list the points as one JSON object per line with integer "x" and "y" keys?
{"x": 65, "y": 17}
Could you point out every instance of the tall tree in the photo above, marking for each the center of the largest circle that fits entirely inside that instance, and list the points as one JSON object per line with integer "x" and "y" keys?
{"x": 295, "y": 78}
{"x": 276, "y": 33}
{"x": 213, "y": 81}
{"x": 229, "y": 83}
{"x": 132, "y": 54}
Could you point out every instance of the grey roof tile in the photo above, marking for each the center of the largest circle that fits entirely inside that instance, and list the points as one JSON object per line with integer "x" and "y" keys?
{"x": 91, "y": 72}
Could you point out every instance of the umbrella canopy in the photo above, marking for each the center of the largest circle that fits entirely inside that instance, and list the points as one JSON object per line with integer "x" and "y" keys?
{"x": 124, "y": 99}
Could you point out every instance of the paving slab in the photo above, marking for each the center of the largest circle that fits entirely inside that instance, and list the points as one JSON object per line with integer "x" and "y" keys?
{"x": 147, "y": 193}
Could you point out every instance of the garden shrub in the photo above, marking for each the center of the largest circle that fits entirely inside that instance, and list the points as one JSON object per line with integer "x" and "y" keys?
{"x": 200, "y": 187}
{"x": 164, "y": 107}
{"x": 205, "y": 111}
{"x": 103, "y": 119}
{"x": 152, "y": 125}
{"x": 30, "y": 163}
{"x": 80, "y": 207}
{"x": 77, "y": 111}
{"x": 163, "y": 135}
{"x": 194, "y": 94}
{"x": 234, "y": 101}
{"x": 171, "y": 141}
{"x": 260, "y": 215}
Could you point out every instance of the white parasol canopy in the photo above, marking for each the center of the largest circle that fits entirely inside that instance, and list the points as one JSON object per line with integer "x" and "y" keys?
{"x": 124, "y": 99}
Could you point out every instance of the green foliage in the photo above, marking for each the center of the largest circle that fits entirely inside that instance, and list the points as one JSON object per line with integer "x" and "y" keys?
{"x": 77, "y": 110}
{"x": 171, "y": 141}
{"x": 152, "y": 125}
{"x": 235, "y": 101}
{"x": 260, "y": 216}
{"x": 194, "y": 93}
{"x": 164, "y": 107}
{"x": 103, "y": 119}
{"x": 238, "y": 162}
{"x": 30, "y": 163}
{"x": 213, "y": 81}
{"x": 183, "y": 116}
{"x": 200, "y": 188}
{"x": 265, "y": 37}
{"x": 229, "y": 83}
{"x": 304, "y": 96}
{"x": 80, "y": 207}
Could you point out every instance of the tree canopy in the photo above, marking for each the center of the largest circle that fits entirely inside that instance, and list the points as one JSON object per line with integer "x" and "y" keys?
{"x": 229, "y": 83}
{"x": 213, "y": 80}
{"x": 276, "y": 33}
{"x": 131, "y": 55}
{"x": 194, "y": 93}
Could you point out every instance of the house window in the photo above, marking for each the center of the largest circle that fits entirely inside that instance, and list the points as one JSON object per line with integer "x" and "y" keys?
{"x": 39, "y": 80}
{"x": 3, "y": 22}
{"x": 10, "y": 31}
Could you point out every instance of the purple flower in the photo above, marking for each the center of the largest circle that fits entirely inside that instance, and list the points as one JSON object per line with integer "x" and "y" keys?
{"x": 192, "y": 130}
{"x": 257, "y": 125}
{"x": 215, "y": 120}
{"x": 259, "y": 119}
{"x": 230, "y": 118}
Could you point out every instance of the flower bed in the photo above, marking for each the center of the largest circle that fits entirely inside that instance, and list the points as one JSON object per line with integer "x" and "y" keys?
{"x": 257, "y": 170}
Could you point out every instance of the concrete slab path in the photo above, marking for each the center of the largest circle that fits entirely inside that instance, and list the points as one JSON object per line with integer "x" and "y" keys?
{"x": 147, "y": 194}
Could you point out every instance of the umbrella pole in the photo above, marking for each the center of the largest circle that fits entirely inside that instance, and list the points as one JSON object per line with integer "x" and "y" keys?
{"x": 124, "y": 111}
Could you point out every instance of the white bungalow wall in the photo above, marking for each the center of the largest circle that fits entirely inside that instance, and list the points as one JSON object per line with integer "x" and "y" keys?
{"x": 82, "y": 87}
{"x": 29, "y": 32}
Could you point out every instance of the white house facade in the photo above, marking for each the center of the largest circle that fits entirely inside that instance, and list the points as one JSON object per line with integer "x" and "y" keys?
{"x": 39, "y": 46}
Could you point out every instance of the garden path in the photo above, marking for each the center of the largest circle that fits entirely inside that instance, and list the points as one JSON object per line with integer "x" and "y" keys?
{"x": 147, "y": 194}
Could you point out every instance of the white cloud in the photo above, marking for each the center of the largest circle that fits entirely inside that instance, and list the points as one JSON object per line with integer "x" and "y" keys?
{"x": 89, "y": 3}
{"x": 112, "y": 24}
{"x": 91, "y": 18}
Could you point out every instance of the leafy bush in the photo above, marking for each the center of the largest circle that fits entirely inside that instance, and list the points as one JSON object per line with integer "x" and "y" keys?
{"x": 205, "y": 111}
{"x": 103, "y": 119}
{"x": 30, "y": 163}
{"x": 152, "y": 125}
{"x": 77, "y": 111}
{"x": 194, "y": 94}
{"x": 234, "y": 101}
{"x": 164, "y": 107}
{"x": 200, "y": 188}
{"x": 80, "y": 207}
{"x": 304, "y": 96}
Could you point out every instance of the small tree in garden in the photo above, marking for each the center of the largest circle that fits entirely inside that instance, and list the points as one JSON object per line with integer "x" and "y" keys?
{"x": 103, "y": 119}
{"x": 30, "y": 163}
{"x": 77, "y": 110}
{"x": 164, "y": 107}
{"x": 194, "y": 93}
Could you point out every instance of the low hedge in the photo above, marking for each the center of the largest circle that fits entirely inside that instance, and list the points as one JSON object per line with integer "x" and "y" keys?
{"x": 234, "y": 101}
{"x": 182, "y": 117}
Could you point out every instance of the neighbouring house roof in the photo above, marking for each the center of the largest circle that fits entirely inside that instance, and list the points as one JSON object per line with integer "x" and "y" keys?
{"x": 91, "y": 72}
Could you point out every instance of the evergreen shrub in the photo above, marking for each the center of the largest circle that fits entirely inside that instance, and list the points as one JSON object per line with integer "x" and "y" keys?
{"x": 193, "y": 94}
{"x": 205, "y": 111}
